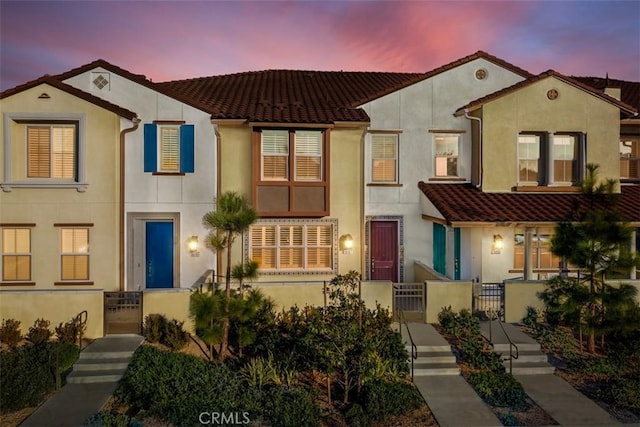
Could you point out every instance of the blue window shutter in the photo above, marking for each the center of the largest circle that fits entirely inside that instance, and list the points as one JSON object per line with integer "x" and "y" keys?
{"x": 187, "y": 149}
{"x": 150, "y": 147}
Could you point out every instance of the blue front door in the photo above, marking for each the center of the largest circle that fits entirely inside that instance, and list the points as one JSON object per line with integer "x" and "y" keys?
{"x": 159, "y": 254}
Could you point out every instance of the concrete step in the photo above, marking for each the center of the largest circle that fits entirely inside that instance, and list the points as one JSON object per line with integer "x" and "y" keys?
{"x": 100, "y": 364}
{"x": 101, "y": 376}
{"x": 440, "y": 357}
{"x": 91, "y": 355}
{"x": 430, "y": 348}
{"x": 426, "y": 369}
{"x": 531, "y": 368}
{"x": 527, "y": 357}
{"x": 522, "y": 347}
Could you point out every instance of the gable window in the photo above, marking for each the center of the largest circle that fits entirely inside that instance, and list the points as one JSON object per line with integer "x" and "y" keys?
{"x": 290, "y": 172}
{"x": 630, "y": 159}
{"x": 169, "y": 148}
{"x": 16, "y": 254}
{"x": 547, "y": 159}
{"x": 51, "y": 151}
{"x": 541, "y": 256}
{"x": 446, "y": 155}
{"x": 74, "y": 254}
{"x": 384, "y": 158}
{"x": 302, "y": 247}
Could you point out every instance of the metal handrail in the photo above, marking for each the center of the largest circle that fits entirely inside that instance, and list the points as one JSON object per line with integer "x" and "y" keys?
{"x": 414, "y": 347}
{"x": 512, "y": 345}
{"x": 81, "y": 321}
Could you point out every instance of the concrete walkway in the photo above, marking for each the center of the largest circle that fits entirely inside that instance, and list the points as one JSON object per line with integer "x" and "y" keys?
{"x": 76, "y": 402}
{"x": 452, "y": 401}
{"x": 555, "y": 396}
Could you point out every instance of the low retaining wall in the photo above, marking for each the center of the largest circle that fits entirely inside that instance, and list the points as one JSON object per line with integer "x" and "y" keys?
{"x": 440, "y": 294}
{"x": 56, "y": 306}
{"x": 518, "y": 295}
{"x": 172, "y": 303}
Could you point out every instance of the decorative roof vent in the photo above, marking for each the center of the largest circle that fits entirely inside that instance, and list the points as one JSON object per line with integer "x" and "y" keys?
{"x": 101, "y": 80}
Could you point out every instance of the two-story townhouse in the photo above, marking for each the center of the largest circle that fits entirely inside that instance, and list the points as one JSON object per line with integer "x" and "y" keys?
{"x": 169, "y": 175}
{"x": 414, "y": 136}
{"x": 60, "y": 201}
{"x": 291, "y": 142}
{"x": 531, "y": 143}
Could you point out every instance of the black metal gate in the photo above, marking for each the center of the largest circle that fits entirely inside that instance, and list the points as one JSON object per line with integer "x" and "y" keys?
{"x": 409, "y": 298}
{"x": 488, "y": 298}
{"x": 123, "y": 312}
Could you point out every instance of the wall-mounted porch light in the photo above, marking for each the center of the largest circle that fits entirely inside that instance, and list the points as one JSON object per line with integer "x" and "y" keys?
{"x": 497, "y": 245}
{"x": 192, "y": 245}
{"x": 346, "y": 243}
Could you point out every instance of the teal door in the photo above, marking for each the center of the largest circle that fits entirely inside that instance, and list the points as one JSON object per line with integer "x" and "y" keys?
{"x": 440, "y": 249}
{"x": 159, "y": 254}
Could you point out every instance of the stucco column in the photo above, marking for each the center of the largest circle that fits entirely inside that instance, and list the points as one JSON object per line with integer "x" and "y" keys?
{"x": 528, "y": 239}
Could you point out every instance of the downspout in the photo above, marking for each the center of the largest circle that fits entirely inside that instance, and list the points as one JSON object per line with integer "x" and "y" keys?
{"x": 218, "y": 162}
{"x": 123, "y": 133}
{"x": 480, "y": 148}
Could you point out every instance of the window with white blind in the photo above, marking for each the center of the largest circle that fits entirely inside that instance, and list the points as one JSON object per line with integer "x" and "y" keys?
{"x": 528, "y": 158}
{"x": 169, "y": 149}
{"x": 74, "y": 254}
{"x": 308, "y": 155}
{"x": 547, "y": 159}
{"x": 564, "y": 158}
{"x": 446, "y": 155}
{"x": 275, "y": 155}
{"x": 630, "y": 158}
{"x": 16, "y": 254}
{"x": 52, "y": 151}
{"x": 384, "y": 158}
{"x": 304, "y": 247}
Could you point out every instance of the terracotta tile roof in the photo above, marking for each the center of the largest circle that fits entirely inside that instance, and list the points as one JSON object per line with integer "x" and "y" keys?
{"x": 629, "y": 91}
{"x": 464, "y": 203}
{"x": 291, "y": 96}
{"x": 136, "y": 78}
{"x": 473, "y": 105}
{"x": 299, "y": 96}
{"x": 52, "y": 81}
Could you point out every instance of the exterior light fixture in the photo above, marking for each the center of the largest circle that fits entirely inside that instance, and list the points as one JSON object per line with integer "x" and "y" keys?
{"x": 192, "y": 245}
{"x": 497, "y": 245}
{"x": 346, "y": 243}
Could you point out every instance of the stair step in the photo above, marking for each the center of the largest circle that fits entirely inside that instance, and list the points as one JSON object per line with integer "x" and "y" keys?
{"x": 526, "y": 358}
{"x": 430, "y": 348}
{"x": 440, "y": 359}
{"x": 425, "y": 369}
{"x": 504, "y": 348}
{"x": 531, "y": 369}
{"x": 86, "y": 355}
{"x": 101, "y": 376}
{"x": 101, "y": 364}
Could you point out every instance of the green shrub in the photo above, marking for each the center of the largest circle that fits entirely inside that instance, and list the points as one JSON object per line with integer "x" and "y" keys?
{"x": 532, "y": 318}
{"x": 447, "y": 319}
{"x": 10, "y": 333}
{"x": 32, "y": 373}
{"x": 499, "y": 389}
{"x": 154, "y": 327}
{"x": 39, "y": 333}
{"x": 69, "y": 332}
{"x": 623, "y": 392}
{"x": 175, "y": 337}
{"x": 380, "y": 399}
{"x": 177, "y": 387}
{"x": 290, "y": 407}
{"x": 111, "y": 419}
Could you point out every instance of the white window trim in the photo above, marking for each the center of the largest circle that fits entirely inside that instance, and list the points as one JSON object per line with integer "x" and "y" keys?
{"x": 80, "y": 185}
{"x": 288, "y": 222}
{"x": 373, "y": 134}
{"x": 551, "y": 156}
{"x": 518, "y": 158}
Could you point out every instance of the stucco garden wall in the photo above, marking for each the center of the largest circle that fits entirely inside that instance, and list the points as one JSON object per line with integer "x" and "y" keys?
{"x": 440, "y": 294}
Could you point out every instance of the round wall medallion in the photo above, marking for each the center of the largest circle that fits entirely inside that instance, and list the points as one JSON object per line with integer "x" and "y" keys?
{"x": 481, "y": 74}
{"x": 552, "y": 94}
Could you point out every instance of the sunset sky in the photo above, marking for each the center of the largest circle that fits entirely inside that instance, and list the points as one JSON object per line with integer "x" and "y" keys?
{"x": 169, "y": 40}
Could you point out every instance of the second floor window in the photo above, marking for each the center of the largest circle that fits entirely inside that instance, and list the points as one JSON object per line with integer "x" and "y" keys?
{"x": 551, "y": 159}
{"x": 52, "y": 151}
{"x": 276, "y": 147}
{"x": 630, "y": 158}
{"x": 384, "y": 158}
{"x": 446, "y": 155}
{"x": 528, "y": 158}
{"x": 169, "y": 148}
{"x": 564, "y": 159}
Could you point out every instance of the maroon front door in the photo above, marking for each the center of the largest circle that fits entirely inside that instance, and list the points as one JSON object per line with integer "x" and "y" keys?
{"x": 383, "y": 259}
